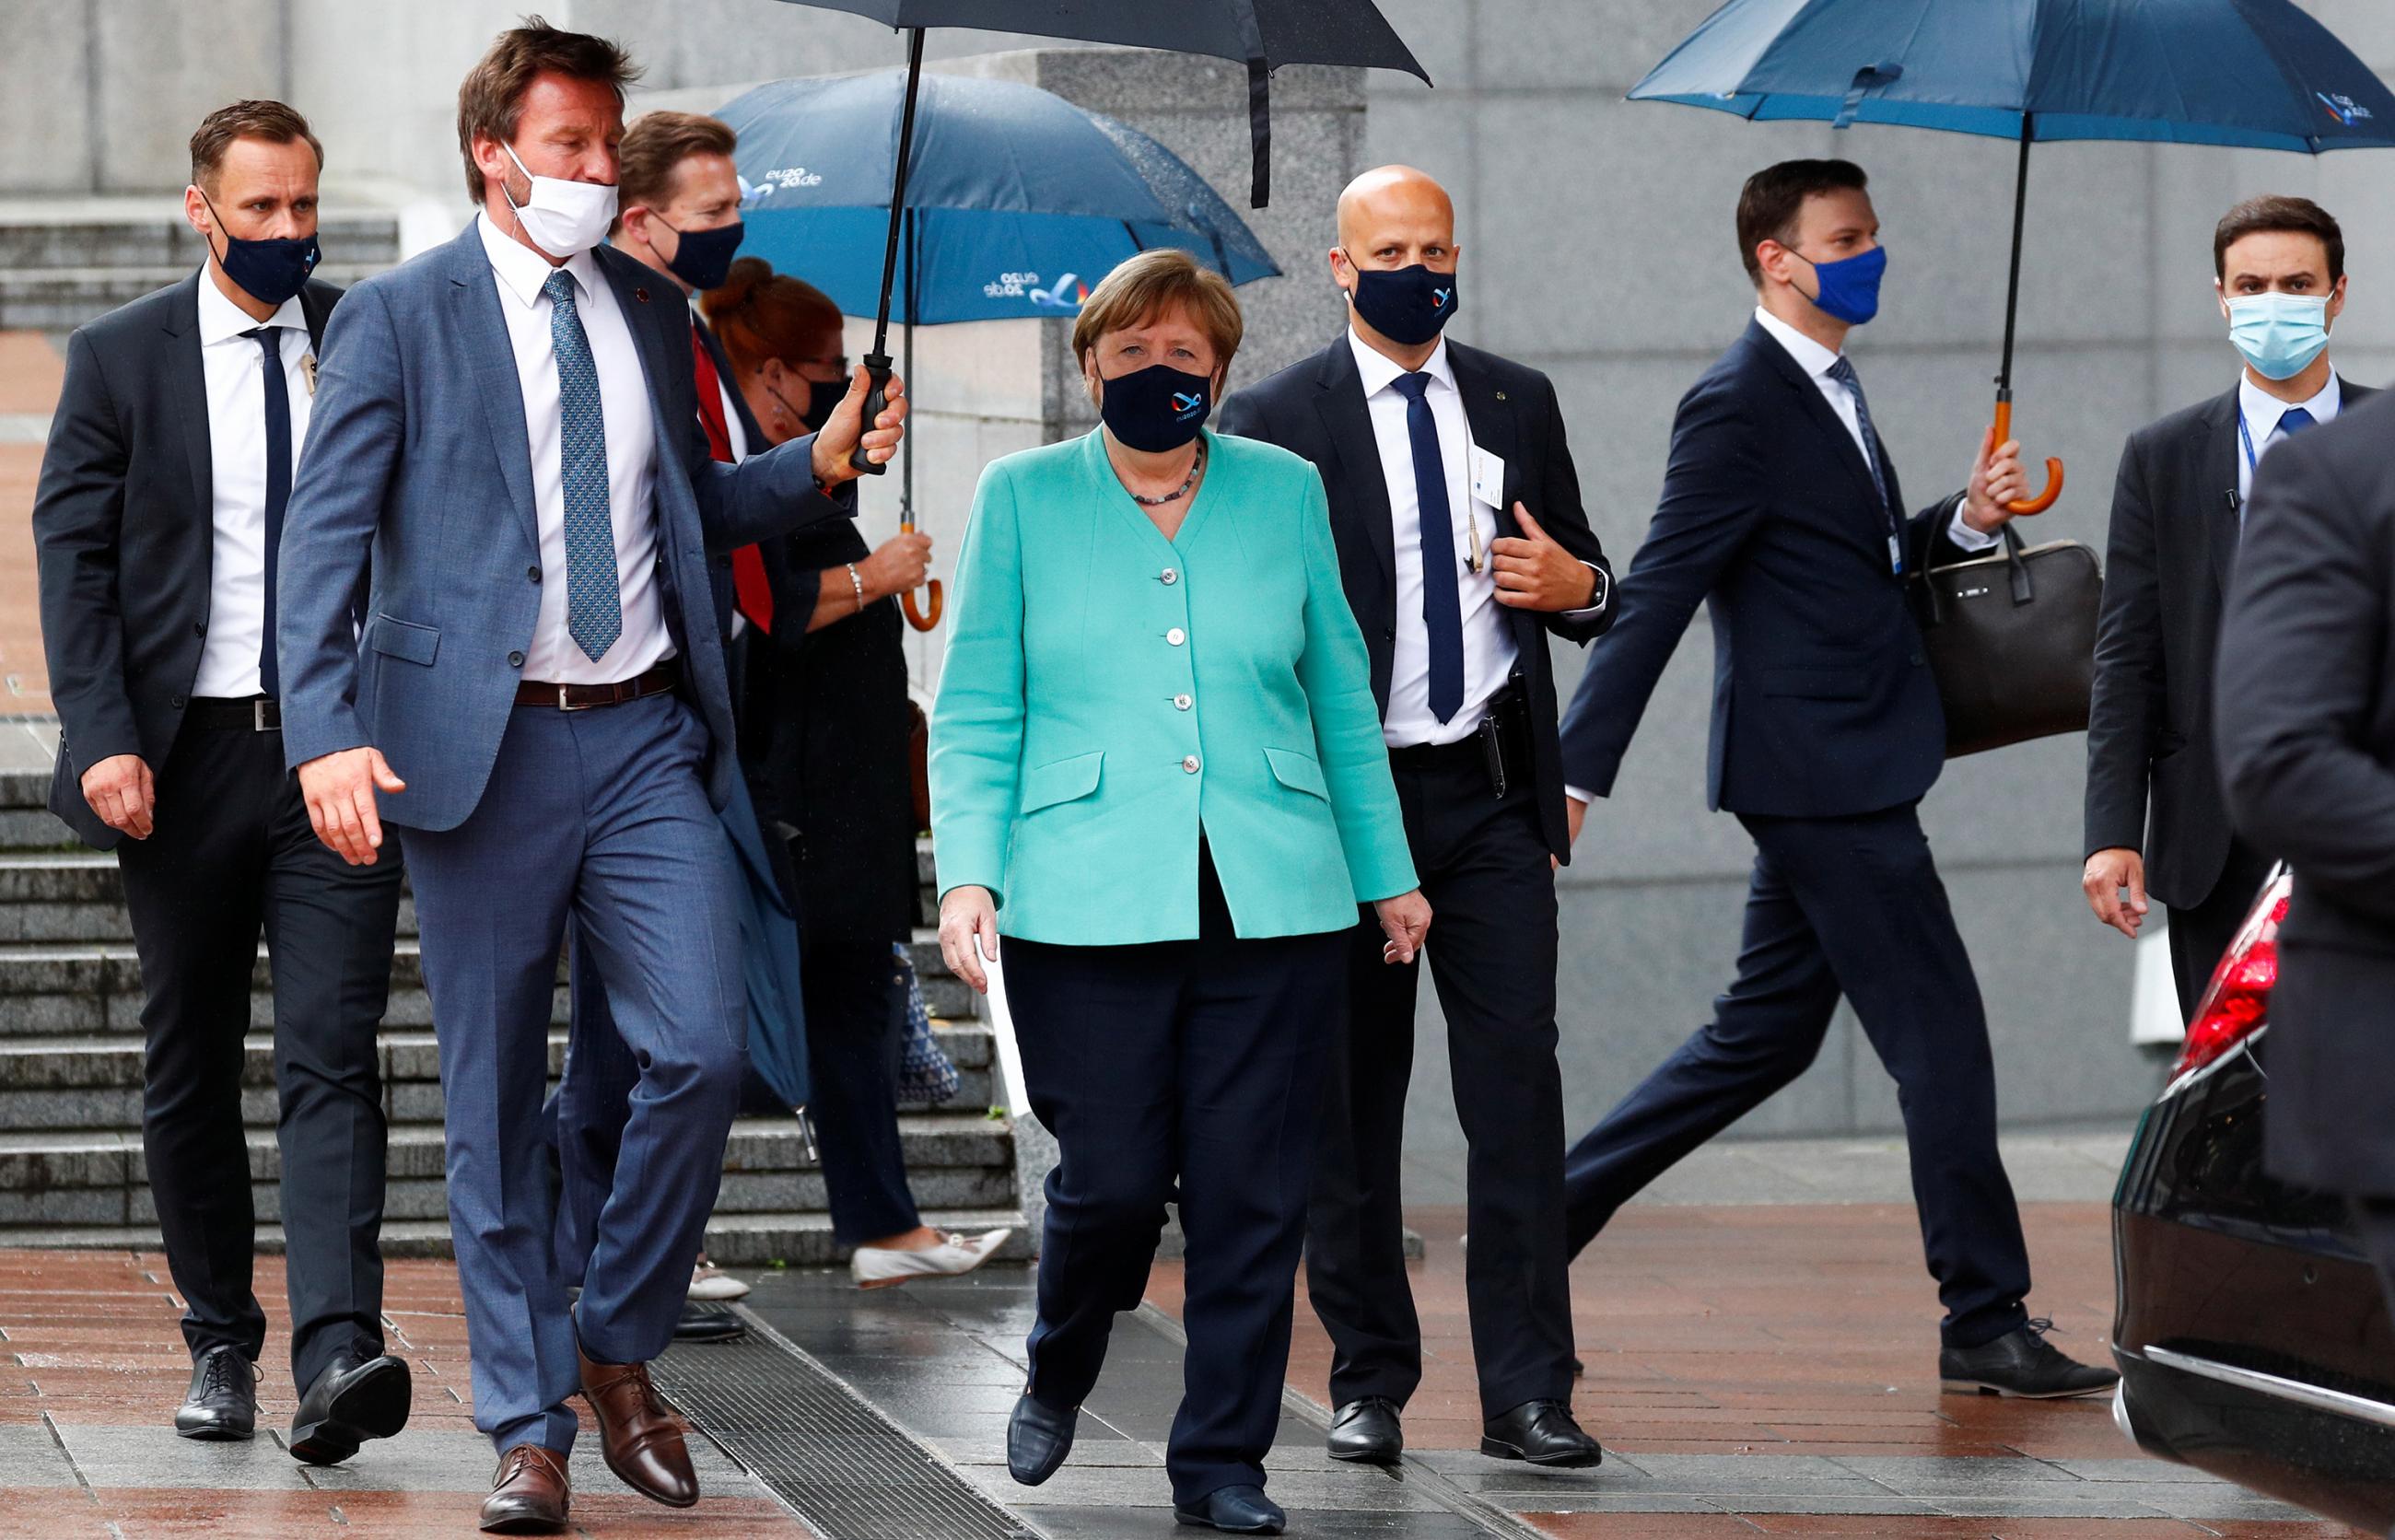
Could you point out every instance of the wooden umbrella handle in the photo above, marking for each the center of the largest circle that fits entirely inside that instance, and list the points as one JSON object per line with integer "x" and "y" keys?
{"x": 2044, "y": 500}
{"x": 920, "y": 620}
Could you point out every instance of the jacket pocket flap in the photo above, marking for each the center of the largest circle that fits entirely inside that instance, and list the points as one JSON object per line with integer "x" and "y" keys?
{"x": 401, "y": 638}
{"x": 1299, "y": 772}
{"x": 1060, "y": 781}
{"x": 1819, "y": 684}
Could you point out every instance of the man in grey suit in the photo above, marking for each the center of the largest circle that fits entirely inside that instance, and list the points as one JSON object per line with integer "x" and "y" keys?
{"x": 508, "y": 426}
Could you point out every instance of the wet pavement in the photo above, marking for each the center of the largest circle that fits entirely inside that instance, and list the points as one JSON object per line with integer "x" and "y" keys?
{"x": 1752, "y": 1368}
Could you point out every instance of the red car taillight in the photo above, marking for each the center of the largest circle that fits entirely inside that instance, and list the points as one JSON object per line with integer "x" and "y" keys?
{"x": 2239, "y": 998}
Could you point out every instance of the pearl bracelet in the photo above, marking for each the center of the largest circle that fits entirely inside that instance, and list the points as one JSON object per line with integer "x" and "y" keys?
{"x": 858, "y": 583}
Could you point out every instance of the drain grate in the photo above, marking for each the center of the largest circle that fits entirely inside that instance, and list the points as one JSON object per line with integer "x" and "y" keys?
{"x": 839, "y": 1465}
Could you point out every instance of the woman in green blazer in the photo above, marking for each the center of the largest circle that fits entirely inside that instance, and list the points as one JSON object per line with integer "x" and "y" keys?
{"x": 1157, "y": 767}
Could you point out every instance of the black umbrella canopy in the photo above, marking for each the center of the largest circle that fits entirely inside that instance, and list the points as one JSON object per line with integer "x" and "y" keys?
{"x": 1264, "y": 34}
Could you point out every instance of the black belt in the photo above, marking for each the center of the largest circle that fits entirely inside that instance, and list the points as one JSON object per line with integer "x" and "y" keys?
{"x": 1422, "y": 757}
{"x": 585, "y": 697}
{"x": 1500, "y": 746}
{"x": 245, "y": 714}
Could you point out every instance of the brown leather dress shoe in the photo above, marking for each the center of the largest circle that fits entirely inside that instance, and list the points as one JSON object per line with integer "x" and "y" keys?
{"x": 640, "y": 1435}
{"x": 528, "y": 1495}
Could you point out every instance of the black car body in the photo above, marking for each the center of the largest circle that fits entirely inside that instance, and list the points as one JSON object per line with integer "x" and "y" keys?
{"x": 2253, "y": 1336}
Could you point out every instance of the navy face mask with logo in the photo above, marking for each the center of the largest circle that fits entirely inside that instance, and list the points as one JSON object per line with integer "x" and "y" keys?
{"x": 269, "y": 271}
{"x": 1157, "y": 408}
{"x": 1407, "y": 305}
{"x": 702, "y": 258}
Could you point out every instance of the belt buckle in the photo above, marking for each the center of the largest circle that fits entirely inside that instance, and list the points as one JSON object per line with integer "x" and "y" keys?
{"x": 565, "y": 701}
{"x": 258, "y": 722}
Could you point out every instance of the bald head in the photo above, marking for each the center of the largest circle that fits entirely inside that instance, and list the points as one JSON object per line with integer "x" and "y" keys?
{"x": 1393, "y": 219}
{"x": 1389, "y": 197}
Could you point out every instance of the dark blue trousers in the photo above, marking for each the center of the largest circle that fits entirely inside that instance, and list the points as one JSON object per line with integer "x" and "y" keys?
{"x": 1197, "y": 1061}
{"x": 1848, "y": 906}
{"x": 600, "y": 816}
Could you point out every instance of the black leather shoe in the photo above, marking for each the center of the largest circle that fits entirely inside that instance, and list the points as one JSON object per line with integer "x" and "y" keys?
{"x": 1367, "y": 1430}
{"x": 349, "y": 1404}
{"x": 708, "y": 1323}
{"x": 2022, "y": 1363}
{"x": 1234, "y": 1510}
{"x": 1037, "y": 1439}
{"x": 1542, "y": 1432}
{"x": 222, "y": 1401}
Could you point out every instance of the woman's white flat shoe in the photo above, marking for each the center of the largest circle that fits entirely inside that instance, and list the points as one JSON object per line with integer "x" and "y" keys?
{"x": 879, "y": 1267}
{"x": 711, "y": 1284}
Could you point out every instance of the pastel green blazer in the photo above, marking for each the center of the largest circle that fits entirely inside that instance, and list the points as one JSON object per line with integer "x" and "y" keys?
{"x": 1107, "y": 694}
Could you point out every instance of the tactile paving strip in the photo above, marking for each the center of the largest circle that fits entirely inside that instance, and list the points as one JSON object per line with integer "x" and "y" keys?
{"x": 839, "y": 1465}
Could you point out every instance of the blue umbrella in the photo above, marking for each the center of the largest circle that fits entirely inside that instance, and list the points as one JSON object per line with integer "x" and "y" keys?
{"x": 2252, "y": 73}
{"x": 1016, "y": 201}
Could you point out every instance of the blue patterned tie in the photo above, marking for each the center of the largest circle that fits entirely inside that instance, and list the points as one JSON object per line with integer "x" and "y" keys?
{"x": 1442, "y": 605}
{"x": 1843, "y": 371}
{"x": 594, "y": 603}
{"x": 278, "y": 485}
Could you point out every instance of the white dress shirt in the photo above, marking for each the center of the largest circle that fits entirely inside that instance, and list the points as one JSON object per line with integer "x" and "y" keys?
{"x": 235, "y": 368}
{"x": 2261, "y": 412}
{"x": 1489, "y": 649}
{"x": 554, "y": 657}
{"x": 1817, "y": 362}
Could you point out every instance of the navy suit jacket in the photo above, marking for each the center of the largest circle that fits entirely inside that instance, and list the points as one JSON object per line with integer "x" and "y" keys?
{"x": 417, "y": 451}
{"x": 125, "y": 520}
{"x": 1823, "y": 702}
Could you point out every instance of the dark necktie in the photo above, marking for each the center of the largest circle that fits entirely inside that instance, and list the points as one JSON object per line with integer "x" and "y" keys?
{"x": 2294, "y": 420}
{"x": 1843, "y": 371}
{"x": 278, "y": 485}
{"x": 1442, "y": 604}
{"x": 595, "y": 600}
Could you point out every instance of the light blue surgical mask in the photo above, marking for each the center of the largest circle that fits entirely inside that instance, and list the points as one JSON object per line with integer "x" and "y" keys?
{"x": 2279, "y": 334}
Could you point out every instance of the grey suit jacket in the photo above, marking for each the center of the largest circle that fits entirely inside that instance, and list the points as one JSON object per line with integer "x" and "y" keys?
{"x": 417, "y": 453}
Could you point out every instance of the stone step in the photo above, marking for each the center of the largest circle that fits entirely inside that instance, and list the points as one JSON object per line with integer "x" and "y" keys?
{"x": 95, "y": 1083}
{"x": 790, "y": 1238}
{"x": 154, "y": 234}
{"x": 953, "y": 1160}
{"x": 59, "y": 299}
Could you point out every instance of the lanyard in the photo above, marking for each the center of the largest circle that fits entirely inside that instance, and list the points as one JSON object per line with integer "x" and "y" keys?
{"x": 2245, "y": 436}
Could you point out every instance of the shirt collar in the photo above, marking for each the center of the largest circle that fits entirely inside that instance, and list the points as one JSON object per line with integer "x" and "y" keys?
{"x": 1379, "y": 371}
{"x": 2263, "y": 410}
{"x": 221, "y": 319}
{"x": 1810, "y": 356}
{"x": 522, "y": 271}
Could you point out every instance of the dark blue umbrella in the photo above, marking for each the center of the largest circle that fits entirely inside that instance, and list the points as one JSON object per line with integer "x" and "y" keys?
{"x": 2253, "y": 74}
{"x": 1016, "y": 199}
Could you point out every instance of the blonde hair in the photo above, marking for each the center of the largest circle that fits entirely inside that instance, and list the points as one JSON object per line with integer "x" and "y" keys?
{"x": 1151, "y": 283}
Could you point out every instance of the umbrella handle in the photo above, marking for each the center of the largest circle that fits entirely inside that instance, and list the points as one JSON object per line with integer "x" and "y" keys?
{"x": 877, "y": 397}
{"x": 920, "y": 620}
{"x": 2003, "y": 433}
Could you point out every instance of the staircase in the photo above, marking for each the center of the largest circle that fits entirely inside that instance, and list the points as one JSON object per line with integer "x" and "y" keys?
{"x": 72, "y": 1172}
{"x": 66, "y": 260}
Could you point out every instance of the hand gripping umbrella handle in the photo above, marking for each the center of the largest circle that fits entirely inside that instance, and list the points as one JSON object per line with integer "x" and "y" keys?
{"x": 877, "y": 397}
{"x": 2004, "y": 431}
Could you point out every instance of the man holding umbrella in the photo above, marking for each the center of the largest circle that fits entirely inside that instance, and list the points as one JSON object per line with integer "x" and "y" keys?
{"x": 1780, "y": 509}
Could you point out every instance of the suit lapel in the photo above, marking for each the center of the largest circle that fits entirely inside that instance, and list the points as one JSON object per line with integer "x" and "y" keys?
{"x": 483, "y": 330}
{"x": 1349, "y": 421}
{"x": 2219, "y": 454}
{"x": 1813, "y": 404}
{"x": 634, "y": 298}
{"x": 191, "y": 390}
{"x": 1490, "y": 419}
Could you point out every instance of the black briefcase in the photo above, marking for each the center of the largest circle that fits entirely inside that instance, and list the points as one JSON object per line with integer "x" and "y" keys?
{"x": 2011, "y": 638}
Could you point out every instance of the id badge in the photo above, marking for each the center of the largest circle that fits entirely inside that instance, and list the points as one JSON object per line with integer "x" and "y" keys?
{"x": 1895, "y": 554}
{"x": 1488, "y": 478}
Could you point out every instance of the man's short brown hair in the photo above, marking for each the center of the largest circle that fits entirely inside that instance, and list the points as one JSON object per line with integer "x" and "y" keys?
{"x": 2275, "y": 213}
{"x": 655, "y": 146}
{"x": 1145, "y": 286}
{"x": 1774, "y": 197}
{"x": 271, "y": 121}
{"x": 490, "y": 102}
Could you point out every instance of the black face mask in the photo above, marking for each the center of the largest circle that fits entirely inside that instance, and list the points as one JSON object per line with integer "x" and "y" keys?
{"x": 1157, "y": 408}
{"x": 269, "y": 271}
{"x": 702, "y": 258}
{"x": 1406, "y": 305}
{"x": 822, "y": 397}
